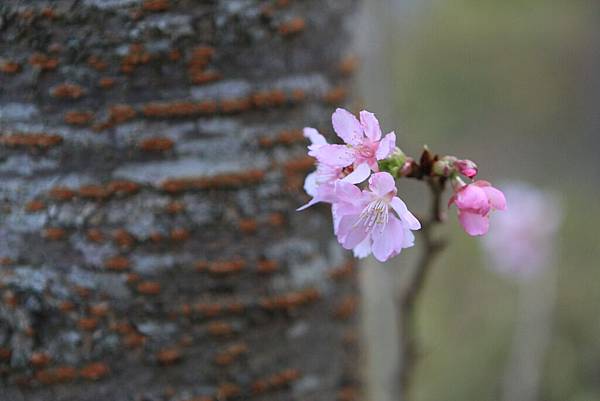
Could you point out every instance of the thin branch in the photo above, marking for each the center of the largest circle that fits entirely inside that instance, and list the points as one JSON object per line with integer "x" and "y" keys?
{"x": 406, "y": 301}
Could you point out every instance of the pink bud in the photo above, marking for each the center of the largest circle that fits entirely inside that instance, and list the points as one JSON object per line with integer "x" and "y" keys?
{"x": 466, "y": 167}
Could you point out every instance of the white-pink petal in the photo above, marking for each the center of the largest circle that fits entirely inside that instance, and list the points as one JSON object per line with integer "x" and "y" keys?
{"x": 408, "y": 219}
{"x": 473, "y": 223}
{"x": 382, "y": 184}
{"x": 347, "y": 127}
{"x": 370, "y": 125}
{"x": 360, "y": 173}
{"x": 386, "y": 146}
{"x": 314, "y": 136}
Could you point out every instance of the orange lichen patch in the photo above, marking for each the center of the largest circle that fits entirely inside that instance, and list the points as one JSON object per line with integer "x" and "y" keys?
{"x": 134, "y": 340}
{"x": 67, "y": 91}
{"x": 168, "y": 356}
{"x": 342, "y": 271}
{"x": 132, "y": 278}
{"x": 5, "y": 354}
{"x": 43, "y": 62}
{"x": 298, "y": 95}
{"x": 220, "y": 328}
{"x": 221, "y": 268}
{"x": 299, "y": 165}
{"x": 156, "y": 5}
{"x": 290, "y": 300}
{"x": 97, "y": 63}
{"x": 201, "y": 266}
{"x": 335, "y": 96}
{"x": 286, "y": 137}
{"x": 119, "y": 113}
{"x": 123, "y": 187}
{"x": 106, "y": 82}
{"x": 39, "y": 140}
{"x": 175, "y": 207}
{"x": 9, "y": 66}
{"x": 230, "y": 106}
{"x": 228, "y": 390}
{"x": 230, "y": 354}
{"x": 59, "y": 374}
{"x": 6, "y": 261}
{"x": 100, "y": 309}
{"x": 54, "y": 233}
{"x": 94, "y": 371}
{"x": 348, "y": 65}
{"x": 94, "y": 235}
{"x": 174, "y": 55}
{"x": 291, "y": 27}
{"x": 117, "y": 263}
{"x": 123, "y": 238}
{"x": 346, "y": 308}
{"x": 149, "y": 288}
{"x": 267, "y": 266}
{"x": 137, "y": 56}
{"x": 179, "y": 109}
{"x": 78, "y": 117}
{"x": 66, "y": 306}
{"x": 10, "y": 298}
{"x": 156, "y": 144}
{"x": 48, "y": 12}
{"x": 156, "y": 237}
{"x": 83, "y": 292}
{"x": 34, "y": 206}
{"x": 94, "y": 192}
{"x": 276, "y": 219}
{"x": 204, "y": 77}
{"x": 264, "y": 99}
{"x": 248, "y": 226}
{"x": 200, "y": 56}
{"x": 88, "y": 323}
{"x": 223, "y": 181}
{"x": 62, "y": 193}
{"x": 207, "y": 309}
{"x": 39, "y": 359}
{"x": 275, "y": 381}
{"x": 122, "y": 327}
{"x": 179, "y": 234}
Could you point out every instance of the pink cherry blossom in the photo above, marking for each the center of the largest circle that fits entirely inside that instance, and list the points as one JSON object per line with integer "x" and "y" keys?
{"x": 522, "y": 240}
{"x": 466, "y": 167}
{"x": 475, "y": 202}
{"x": 320, "y": 184}
{"x": 374, "y": 220}
{"x": 364, "y": 144}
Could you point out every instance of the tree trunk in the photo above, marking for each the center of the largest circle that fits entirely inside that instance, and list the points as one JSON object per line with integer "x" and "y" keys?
{"x": 151, "y": 159}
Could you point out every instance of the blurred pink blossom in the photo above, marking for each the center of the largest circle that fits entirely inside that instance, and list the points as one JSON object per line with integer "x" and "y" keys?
{"x": 522, "y": 240}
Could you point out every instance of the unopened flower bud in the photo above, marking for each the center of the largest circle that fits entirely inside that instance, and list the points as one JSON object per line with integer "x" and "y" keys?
{"x": 407, "y": 167}
{"x": 466, "y": 167}
{"x": 444, "y": 167}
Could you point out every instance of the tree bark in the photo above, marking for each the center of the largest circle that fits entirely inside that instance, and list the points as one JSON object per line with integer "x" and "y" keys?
{"x": 151, "y": 159}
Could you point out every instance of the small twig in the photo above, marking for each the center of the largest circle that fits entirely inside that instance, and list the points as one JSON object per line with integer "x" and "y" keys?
{"x": 406, "y": 301}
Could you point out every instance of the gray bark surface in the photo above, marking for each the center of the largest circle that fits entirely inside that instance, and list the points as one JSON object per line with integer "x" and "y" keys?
{"x": 151, "y": 160}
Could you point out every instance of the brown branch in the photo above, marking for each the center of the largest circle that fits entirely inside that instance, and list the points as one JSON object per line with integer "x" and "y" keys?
{"x": 406, "y": 301}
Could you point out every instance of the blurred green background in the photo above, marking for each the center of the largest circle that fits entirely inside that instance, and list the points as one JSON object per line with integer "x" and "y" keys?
{"x": 515, "y": 86}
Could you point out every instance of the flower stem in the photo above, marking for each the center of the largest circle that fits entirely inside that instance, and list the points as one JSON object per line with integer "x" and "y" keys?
{"x": 407, "y": 299}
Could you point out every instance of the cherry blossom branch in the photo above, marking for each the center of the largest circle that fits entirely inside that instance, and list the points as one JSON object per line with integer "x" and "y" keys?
{"x": 407, "y": 299}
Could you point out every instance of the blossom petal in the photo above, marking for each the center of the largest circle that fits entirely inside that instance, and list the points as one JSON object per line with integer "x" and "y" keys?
{"x": 347, "y": 127}
{"x": 363, "y": 249}
{"x": 473, "y": 223}
{"x": 334, "y": 155}
{"x": 473, "y": 198}
{"x": 388, "y": 241}
{"x": 351, "y": 232}
{"x": 408, "y": 240}
{"x": 386, "y": 146}
{"x": 495, "y": 197}
{"x": 370, "y": 125}
{"x": 310, "y": 184}
{"x": 408, "y": 219}
{"x": 314, "y": 136}
{"x": 348, "y": 193}
{"x": 359, "y": 174}
{"x": 382, "y": 184}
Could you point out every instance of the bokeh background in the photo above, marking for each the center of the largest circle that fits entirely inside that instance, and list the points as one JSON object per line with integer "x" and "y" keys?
{"x": 515, "y": 86}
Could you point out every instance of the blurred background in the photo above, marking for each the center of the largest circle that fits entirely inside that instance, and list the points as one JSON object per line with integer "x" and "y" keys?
{"x": 513, "y": 85}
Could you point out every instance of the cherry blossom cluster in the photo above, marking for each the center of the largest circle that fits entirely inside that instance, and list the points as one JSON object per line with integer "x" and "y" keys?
{"x": 358, "y": 178}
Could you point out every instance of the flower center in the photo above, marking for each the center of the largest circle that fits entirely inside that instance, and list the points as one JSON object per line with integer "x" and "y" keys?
{"x": 375, "y": 214}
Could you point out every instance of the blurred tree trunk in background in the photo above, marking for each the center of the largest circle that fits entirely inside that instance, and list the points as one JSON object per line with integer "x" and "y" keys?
{"x": 151, "y": 160}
